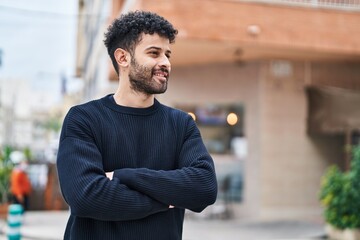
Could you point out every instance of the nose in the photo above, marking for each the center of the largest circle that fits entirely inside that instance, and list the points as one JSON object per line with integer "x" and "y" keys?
{"x": 164, "y": 62}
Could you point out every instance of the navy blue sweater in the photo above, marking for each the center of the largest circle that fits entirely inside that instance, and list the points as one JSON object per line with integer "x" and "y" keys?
{"x": 158, "y": 159}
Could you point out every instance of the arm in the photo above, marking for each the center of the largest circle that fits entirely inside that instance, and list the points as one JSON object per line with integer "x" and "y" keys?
{"x": 110, "y": 175}
{"x": 192, "y": 186}
{"x": 84, "y": 184}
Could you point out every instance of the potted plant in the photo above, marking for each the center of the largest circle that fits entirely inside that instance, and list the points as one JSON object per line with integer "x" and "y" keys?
{"x": 340, "y": 197}
{"x": 5, "y": 173}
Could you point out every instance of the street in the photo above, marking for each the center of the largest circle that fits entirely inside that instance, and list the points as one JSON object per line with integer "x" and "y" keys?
{"x": 49, "y": 225}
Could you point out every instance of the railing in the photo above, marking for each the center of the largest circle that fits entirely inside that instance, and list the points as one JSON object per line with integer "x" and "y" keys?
{"x": 351, "y": 5}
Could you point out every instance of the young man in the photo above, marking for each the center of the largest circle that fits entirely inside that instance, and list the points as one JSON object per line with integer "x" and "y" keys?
{"x": 128, "y": 165}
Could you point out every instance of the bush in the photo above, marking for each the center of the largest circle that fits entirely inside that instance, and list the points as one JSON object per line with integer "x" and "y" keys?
{"x": 5, "y": 172}
{"x": 340, "y": 195}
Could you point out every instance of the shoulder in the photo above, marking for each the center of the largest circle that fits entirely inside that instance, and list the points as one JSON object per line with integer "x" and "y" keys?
{"x": 176, "y": 114}
{"x": 89, "y": 111}
{"x": 180, "y": 119}
{"x": 82, "y": 118}
{"x": 87, "y": 108}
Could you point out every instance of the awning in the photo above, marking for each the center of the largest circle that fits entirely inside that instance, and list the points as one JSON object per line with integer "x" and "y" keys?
{"x": 333, "y": 110}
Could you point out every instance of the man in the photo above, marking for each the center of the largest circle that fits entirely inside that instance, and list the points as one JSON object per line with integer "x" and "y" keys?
{"x": 128, "y": 165}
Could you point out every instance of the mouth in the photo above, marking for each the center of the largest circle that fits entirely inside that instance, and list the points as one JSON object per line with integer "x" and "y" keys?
{"x": 161, "y": 75}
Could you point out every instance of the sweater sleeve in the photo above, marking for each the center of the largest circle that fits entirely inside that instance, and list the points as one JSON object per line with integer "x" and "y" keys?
{"x": 193, "y": 186}
{"x": 84, "y": 184}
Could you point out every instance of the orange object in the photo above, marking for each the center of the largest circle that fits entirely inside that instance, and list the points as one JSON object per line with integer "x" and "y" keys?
{"x": 20, "y": 183}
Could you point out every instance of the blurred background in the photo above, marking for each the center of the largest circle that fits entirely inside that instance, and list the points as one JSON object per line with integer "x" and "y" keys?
{"x": 274, "y": 87}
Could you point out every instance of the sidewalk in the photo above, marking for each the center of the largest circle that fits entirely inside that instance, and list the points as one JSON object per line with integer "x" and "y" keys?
{"x": 45, "y": 225}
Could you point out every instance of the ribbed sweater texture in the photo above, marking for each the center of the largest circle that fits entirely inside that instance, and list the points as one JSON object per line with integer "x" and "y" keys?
{"x": 158, "y": 159}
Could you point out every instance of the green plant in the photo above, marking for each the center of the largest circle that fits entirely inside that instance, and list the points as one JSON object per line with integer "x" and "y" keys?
{"x": 340, "y": 194}
{"x": 5, "y": 172}
{"x": 28, "y": 154}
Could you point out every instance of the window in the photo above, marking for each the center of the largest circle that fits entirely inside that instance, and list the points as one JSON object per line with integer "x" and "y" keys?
{"x": 221, "y": 126}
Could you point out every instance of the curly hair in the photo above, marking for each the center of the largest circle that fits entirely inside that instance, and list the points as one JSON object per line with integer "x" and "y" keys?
{"x": 125, "y": 32}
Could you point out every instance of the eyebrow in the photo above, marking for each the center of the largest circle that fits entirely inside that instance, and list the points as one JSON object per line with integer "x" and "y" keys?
{"x": 157, "y": 48}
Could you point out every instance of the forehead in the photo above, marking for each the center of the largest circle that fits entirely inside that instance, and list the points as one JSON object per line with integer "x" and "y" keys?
{"x": 153, "y": 40}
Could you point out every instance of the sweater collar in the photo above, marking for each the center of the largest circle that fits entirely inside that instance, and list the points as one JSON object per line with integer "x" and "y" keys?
{"x": 109, "y": 101}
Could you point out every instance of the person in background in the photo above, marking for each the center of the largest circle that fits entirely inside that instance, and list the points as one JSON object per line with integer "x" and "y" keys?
{"x": 20, "y": 187}
{"x": 128, "y": 165}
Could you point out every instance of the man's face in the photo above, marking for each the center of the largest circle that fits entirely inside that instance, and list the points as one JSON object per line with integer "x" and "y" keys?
{"x": 150, "y": 65}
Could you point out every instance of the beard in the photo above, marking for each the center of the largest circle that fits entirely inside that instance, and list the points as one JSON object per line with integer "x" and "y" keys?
{"x": 141, "y": 79}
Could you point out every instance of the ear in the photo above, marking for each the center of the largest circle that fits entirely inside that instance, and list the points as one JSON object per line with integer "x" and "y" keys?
{"x": 122, "y": 57}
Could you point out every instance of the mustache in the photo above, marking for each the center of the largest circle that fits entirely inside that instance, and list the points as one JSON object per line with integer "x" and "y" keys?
{"x": 163, "y": 69}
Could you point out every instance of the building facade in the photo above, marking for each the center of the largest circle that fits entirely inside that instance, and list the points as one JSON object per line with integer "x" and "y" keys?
{"x": 263, "y": 56}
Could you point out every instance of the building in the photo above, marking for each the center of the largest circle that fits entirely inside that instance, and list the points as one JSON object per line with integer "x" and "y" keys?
{"x": 279, "y": 63}
{"x": 24, "y": 117}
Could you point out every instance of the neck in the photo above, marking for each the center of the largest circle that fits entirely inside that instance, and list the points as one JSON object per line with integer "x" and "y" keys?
{"x": 130, "y": 98}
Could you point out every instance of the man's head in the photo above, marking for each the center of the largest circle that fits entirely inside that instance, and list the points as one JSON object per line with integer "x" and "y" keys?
{"x": 126, "y": 32}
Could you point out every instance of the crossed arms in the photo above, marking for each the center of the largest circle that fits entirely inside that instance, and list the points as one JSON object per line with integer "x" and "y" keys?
{"x": 133, "y": 193}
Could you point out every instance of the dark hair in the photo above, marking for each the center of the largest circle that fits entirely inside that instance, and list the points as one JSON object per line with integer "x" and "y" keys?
{"x": 125, "y": 31}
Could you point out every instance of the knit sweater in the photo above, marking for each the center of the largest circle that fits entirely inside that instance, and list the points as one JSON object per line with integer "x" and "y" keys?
{"x": 158, "y": 159}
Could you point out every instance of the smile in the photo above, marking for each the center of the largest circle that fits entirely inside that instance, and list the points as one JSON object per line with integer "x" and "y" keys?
{"x": 161, "y": 74}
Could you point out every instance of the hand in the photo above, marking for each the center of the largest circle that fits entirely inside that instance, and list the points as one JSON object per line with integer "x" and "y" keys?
{"x": 20, "y": 198}
{"x": 109, "y": 175}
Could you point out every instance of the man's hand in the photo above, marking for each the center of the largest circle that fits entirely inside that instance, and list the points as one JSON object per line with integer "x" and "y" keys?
{"x": 109, "y": 175}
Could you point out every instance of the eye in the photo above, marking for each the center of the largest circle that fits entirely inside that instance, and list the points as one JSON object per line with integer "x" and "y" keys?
{"x": 154, "y": 53}
{"x": 168, "y": 56}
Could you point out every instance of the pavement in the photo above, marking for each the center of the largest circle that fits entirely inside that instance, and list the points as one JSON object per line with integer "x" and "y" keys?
{"x": 50, "y": 225}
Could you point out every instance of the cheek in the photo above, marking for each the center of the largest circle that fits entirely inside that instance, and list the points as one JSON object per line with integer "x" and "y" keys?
{"x": 149, "y": 68}
{"x": 150, "y": 64}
